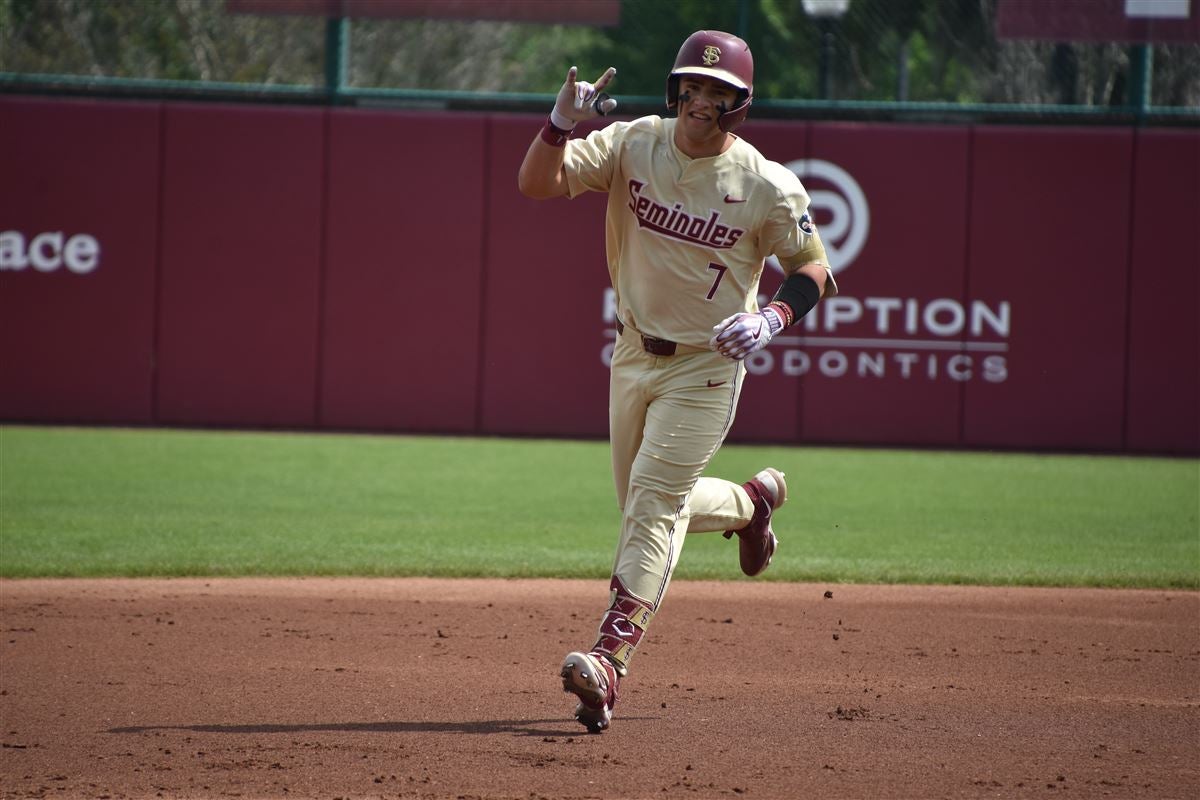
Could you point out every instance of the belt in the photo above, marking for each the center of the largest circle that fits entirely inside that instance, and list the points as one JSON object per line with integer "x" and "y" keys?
{"x": 658, "y": 347}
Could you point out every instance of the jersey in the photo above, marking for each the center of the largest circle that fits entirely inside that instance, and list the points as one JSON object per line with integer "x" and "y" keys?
{"x": 686, "y": 238}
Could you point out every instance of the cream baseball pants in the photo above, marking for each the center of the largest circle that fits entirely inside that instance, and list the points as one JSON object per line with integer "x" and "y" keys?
{"x": 668, "y": 415}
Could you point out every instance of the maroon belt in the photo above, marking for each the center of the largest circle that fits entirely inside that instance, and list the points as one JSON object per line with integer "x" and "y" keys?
{"x": 658, "y": 347}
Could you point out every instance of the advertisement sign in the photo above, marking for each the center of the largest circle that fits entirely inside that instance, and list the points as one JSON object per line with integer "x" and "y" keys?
{"x": 1099, "y": 20}
{"x": 886, "y": 360}
{"x": 249, "y": 266}
{"x": 577, "y": 12}
{"x": 78, "y": 223}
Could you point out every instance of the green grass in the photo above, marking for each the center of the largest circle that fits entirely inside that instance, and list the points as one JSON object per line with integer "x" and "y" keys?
{"x": 111, "y": 502}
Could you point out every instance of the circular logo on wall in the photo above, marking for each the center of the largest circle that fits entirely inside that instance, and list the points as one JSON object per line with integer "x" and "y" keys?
{"x": 842, "y": 210}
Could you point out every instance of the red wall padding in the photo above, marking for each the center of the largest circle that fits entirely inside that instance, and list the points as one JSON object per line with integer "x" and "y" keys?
{"x": 543, "y": 298}
{"x": 896, "y": 387}
{"x": 1164, "y": 336}
{"x": 78, "y": 346}
{"x": 773, "y": 399}
{"x": 403, "y": 272}
{"x": 1049, "y": 227}
{"x": 371, "y": 270}
{"x": 241, "y": 251}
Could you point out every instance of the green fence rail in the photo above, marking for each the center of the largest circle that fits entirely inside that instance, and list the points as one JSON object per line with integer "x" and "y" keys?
{"x": 421, "y": 99}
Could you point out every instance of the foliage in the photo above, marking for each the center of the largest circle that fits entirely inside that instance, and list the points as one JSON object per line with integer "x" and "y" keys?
{"x": 167, "y": 39}
{"x": 919, "y": 50}
{"x": 488, "y": 57}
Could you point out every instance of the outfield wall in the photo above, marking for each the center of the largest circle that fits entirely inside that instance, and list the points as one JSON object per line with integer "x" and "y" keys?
{"x": 315, "y": 268}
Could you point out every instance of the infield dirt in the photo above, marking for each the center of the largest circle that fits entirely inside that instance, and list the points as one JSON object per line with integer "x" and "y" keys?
{"x": 422, "y": 688}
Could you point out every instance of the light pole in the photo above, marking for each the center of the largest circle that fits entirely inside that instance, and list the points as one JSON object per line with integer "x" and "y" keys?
{"x": 826, "y": 13}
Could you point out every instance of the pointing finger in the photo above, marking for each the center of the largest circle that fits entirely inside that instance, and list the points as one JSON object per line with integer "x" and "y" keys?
{"x": 603, "y": 80}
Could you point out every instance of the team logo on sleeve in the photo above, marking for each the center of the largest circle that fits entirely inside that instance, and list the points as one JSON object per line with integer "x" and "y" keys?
{"x": 675, "y": 223}
{"x": 806, "y": 225}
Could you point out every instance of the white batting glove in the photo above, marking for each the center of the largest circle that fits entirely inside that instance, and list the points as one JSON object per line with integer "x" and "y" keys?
{"x": 742, "y": 334}
{"x": 580, "y": 100}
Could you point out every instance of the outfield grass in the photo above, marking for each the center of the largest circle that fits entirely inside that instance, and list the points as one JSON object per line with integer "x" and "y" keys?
{"x": 113, "y": 502}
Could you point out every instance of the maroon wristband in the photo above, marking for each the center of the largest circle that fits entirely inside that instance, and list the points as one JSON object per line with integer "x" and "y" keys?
{"x": 554, "y": 135}
{"x": 786, "y": 315}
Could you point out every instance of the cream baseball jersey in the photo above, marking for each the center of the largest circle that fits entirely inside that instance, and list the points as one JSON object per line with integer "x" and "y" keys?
{"x": 686, "y": 238}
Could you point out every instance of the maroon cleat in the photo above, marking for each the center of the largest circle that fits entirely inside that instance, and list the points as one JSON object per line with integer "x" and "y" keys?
{"x": 593, "y": 679}
{"x": 756, "y": 541}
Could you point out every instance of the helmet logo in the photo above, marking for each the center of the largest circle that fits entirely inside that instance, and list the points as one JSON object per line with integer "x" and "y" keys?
{"x": 712, "y": 54}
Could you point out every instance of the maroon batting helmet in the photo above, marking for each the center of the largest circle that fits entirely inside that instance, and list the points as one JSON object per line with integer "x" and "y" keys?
{"x": 719, "y": 55}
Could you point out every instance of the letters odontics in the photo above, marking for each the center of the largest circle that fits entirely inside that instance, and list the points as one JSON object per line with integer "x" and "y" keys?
{"x": 874, "y": 337}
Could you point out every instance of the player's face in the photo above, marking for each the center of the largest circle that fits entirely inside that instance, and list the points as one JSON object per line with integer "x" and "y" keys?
{"x": 702, "y": 100}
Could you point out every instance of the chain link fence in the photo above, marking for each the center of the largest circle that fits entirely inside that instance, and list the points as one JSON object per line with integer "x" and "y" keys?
{"x": 878, "y": 58}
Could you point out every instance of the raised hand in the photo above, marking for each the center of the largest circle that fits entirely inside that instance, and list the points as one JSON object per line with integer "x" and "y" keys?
{"x": 579, "y": 100}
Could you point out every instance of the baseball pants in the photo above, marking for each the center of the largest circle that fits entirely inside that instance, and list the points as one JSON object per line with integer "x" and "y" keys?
{"x": 668, "y": 415}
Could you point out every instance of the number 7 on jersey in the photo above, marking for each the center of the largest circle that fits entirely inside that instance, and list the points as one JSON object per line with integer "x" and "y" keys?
{"x": 720, "y": 269}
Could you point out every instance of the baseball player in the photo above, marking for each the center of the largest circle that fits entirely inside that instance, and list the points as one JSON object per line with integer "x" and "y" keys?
{"x": 693, "y": 211}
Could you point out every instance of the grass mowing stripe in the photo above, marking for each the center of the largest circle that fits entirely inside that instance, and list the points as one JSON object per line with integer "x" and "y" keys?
{"x": 965, "y": 517}
{"x": 112, "y": 502}
{"x": 87, "y": 502}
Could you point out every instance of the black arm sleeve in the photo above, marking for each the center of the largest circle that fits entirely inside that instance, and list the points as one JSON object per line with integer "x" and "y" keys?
{"x": 800, "y": 292}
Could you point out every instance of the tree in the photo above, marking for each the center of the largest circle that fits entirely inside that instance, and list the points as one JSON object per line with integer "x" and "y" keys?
{"x": 921, "y": 50}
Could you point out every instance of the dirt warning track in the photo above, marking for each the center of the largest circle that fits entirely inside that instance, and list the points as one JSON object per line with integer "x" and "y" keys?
{"x": 422, "y": 688}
